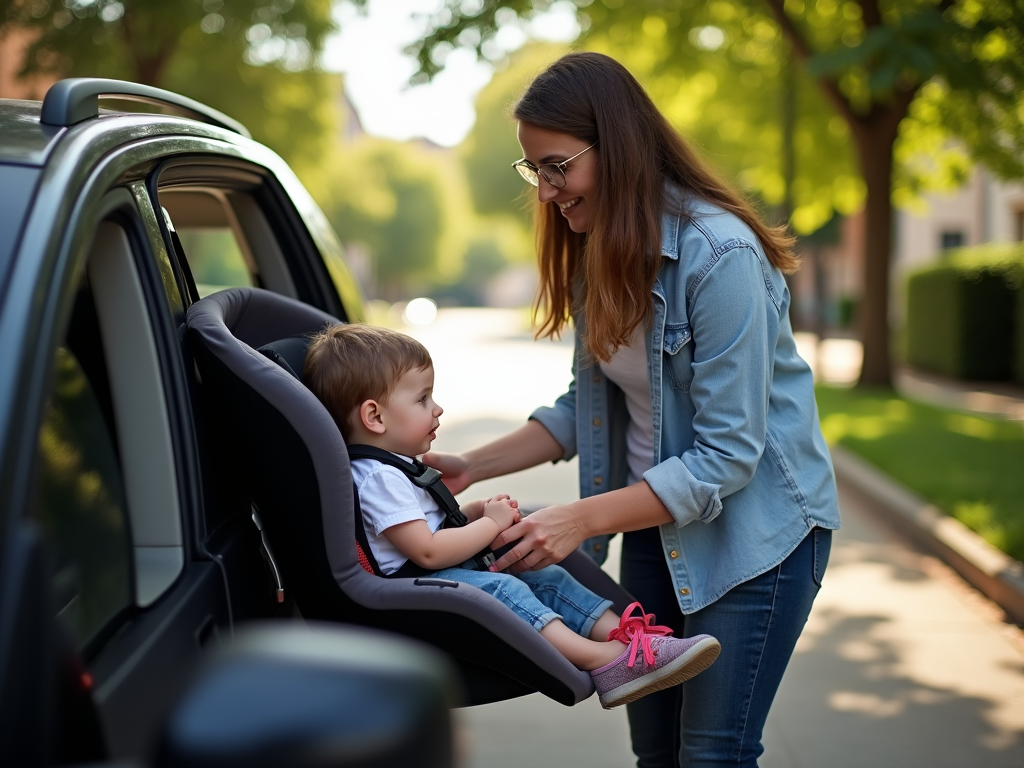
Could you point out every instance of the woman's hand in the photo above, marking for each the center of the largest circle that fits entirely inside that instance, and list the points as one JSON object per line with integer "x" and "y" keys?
{"x": 547, "y": 537}
{"x": 453, "y": 467}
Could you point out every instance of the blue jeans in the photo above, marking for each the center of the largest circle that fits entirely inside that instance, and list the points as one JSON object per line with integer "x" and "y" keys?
{"x": 537, "y": 597}
{"x": 716, "y": 719}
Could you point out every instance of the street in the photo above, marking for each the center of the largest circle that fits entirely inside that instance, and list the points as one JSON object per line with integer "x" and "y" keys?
{"x": 901, "y": 664}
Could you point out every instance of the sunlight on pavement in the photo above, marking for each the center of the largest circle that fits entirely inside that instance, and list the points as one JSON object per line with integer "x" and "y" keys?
{"x": 900, "y": 664}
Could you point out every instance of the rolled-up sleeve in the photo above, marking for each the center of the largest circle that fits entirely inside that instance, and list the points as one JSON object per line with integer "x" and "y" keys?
{"x": 732, "y": 369}
{"x": 560, "y": 420}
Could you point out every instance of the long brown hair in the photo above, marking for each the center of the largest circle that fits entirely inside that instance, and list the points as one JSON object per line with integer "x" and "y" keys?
{"x": 608, "y": 272}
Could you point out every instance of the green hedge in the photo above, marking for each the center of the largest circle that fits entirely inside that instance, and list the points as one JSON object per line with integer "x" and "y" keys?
{"x": 1018, "y": 353}
{"x": 965, "y": 315}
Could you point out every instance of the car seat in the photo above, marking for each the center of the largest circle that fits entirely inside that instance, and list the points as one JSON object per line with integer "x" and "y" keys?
{"x": 295, "y": 469}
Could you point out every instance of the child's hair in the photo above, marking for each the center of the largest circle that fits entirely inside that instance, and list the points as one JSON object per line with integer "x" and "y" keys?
{"x": 348, "y": 364}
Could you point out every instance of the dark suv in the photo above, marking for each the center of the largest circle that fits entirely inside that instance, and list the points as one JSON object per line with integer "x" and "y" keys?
{"x": 120, "y": 514}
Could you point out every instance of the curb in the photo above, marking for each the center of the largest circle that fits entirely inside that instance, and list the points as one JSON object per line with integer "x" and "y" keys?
{"x": 994, "y": 573}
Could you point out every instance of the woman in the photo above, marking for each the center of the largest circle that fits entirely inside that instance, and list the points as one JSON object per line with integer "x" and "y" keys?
{"x": 692, "y": 414}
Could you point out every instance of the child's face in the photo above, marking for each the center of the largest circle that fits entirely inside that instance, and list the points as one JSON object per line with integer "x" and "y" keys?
{"x": 411, "y": 416}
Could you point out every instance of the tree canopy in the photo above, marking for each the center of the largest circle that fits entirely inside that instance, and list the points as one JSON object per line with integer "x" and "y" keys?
{"x": 491, "y": 147}
{"x": 255, "y": 60}
{"x": 874, "y": 82}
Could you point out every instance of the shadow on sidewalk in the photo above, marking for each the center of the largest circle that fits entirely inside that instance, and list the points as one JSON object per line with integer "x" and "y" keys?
{"x": 900, "y": 665}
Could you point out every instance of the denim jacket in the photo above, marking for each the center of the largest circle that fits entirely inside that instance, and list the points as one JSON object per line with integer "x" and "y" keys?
{"x": 739, "y": 459}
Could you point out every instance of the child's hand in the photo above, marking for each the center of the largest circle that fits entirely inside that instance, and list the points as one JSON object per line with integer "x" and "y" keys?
{"x": 473, "y": 509}
{"x": 503, "y": 510}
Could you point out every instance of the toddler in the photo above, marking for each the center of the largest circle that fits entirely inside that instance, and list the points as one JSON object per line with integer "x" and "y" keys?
{"x": 378, "y": 385}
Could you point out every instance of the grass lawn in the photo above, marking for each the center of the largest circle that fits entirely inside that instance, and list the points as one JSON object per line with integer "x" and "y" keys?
{"x": 969, "y": 466}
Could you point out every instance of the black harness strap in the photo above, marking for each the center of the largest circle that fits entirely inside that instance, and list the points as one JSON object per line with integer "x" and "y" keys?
{"x": 427, "y": 478}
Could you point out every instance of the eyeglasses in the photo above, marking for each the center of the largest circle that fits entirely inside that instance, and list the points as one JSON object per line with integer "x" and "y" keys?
{"x": 552, "y": 173}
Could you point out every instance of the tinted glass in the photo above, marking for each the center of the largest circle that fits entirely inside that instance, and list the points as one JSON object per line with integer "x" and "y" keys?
{"x": 81, "y": 504}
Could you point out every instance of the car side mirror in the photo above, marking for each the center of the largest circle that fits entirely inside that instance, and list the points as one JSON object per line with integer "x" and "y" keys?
{"x": 314, "y": 696}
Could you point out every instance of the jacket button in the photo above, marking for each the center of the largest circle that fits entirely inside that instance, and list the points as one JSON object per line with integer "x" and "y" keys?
{"x": 673, "y": 554}
{"x": 597, "y": 480}
{"x": 597, "y": 422}
{"x": 597, "y": 547}
{"x": 684, "y": 591}
{"x": 597, "y": 378}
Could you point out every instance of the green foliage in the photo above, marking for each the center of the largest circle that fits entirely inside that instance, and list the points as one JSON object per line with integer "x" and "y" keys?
{"x": 729, "y": 102}
{"x": 719, "y": 71}
{"x": 1018, "y": 351}
{"x": 961, "y": 313}
{"x": 390, "y": 196}
{"x": 967, "y": 465}
{"x": 138, "y": 38}
{"x": 252, "y": 59}
{"x": 723, "y": 70}
{"x": 490, "y": 149}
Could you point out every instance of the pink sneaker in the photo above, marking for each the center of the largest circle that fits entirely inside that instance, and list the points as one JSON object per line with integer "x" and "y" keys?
{"x": 664, "y": 661}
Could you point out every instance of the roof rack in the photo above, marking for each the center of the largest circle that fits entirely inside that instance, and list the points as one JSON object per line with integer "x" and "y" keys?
{"x": 76, "y": 99}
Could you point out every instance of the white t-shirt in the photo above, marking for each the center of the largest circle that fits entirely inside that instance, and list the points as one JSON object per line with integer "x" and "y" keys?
{"x": 628, "y": 369}
{"x": 387, "y": 497}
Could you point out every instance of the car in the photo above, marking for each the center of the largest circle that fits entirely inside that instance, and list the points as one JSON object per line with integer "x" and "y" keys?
{"x": 127, "y": 549}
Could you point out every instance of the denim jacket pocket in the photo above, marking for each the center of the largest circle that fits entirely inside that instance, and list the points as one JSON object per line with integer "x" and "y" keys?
{"x": 678, "y": 354}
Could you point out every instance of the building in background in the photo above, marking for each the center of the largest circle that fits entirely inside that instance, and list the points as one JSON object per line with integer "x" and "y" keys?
{"x": 984, "y": 210}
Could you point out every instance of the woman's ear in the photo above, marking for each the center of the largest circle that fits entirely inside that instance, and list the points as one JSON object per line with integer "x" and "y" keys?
{"x": 371, "y": 416}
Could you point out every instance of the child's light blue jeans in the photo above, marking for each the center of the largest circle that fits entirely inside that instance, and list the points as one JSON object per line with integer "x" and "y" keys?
{"x": 537, "y": 597}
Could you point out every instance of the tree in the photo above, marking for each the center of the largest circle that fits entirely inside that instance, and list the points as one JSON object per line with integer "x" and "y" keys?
{"x": 253, "y": 59}
{"x": 491, "y": 147}
{"x": 390, "y": 196}
{"x": 951, "y": 69}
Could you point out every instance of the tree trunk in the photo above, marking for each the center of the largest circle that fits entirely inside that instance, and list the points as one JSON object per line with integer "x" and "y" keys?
{"x": 149, "y": 70}
{"x": 875, "y": 143}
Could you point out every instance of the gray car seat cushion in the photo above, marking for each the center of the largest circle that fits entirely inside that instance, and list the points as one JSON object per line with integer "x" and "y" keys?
{"x": 233, "y": 324}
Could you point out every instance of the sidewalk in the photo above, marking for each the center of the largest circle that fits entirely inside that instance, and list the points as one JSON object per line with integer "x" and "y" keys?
{"x": 901, "y": 665}
{"x": 999, "y": 577}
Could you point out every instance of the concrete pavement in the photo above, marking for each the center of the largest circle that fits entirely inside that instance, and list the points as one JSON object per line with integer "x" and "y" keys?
{"x": 901, "y": 664}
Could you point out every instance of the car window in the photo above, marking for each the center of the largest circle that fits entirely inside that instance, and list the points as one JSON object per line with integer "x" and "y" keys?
{"x": 219, "y": 255}
{"x": 215, "y": 258}
{"x": 81, "y": 495}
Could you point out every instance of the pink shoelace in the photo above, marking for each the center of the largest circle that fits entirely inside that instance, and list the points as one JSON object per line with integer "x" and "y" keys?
{"x": 638, "y": 632}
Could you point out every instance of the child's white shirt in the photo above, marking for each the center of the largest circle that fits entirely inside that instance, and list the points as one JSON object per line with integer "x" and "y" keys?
{"x": 387, "y": 497}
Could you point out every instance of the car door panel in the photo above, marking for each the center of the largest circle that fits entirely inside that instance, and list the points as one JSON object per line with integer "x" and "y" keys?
{"x": 142, "y": 660}
{"x": 145, "y": 668}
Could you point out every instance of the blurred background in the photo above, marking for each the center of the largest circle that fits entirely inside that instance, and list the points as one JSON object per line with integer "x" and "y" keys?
{"x": 394, "y": 113}
{"x": 888, "y": 135}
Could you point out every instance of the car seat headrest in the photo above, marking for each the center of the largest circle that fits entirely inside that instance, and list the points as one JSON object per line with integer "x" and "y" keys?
{"x": 289, "y": 353}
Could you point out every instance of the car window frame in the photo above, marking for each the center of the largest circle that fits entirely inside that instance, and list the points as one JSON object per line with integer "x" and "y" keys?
{"x": 316, "y": 281}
